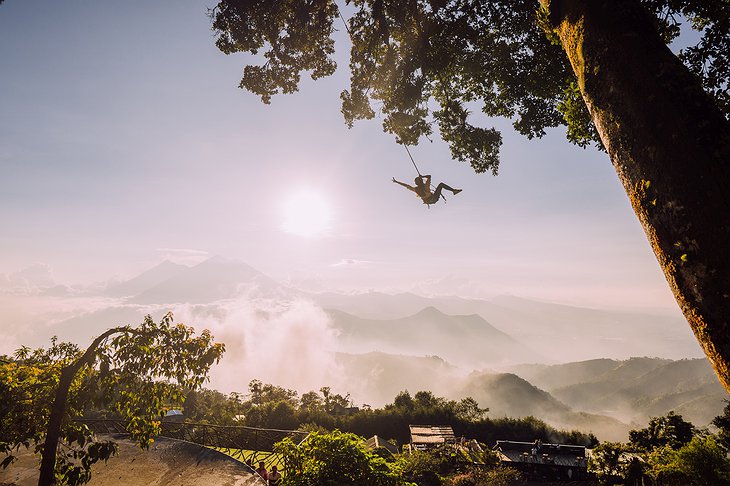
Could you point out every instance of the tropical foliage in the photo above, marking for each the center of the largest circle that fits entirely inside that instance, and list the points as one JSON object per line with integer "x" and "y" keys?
{"x": 132, "y": 372}
{"x": 668, "y": 452}
{"x": 334, "y": 459}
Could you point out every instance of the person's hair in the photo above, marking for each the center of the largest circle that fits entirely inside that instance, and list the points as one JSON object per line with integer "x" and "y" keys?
{"x": 419, "y": 181}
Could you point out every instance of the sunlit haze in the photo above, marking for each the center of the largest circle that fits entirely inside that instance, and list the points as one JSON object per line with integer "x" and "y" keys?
{"x": 306, "y": 213}
{"x": 117, "y": 147}
{"x": 138, "y": 178}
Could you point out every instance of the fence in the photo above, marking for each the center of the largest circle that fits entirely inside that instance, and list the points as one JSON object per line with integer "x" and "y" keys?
{"x": 246, "y": 444}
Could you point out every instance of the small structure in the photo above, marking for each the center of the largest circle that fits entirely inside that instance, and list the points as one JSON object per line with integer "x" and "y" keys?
{"x": 339, "y": 410}
{"x": 174, "y": 416}
{"x": 544, "y": 462}
{"x": 374, "y": 442}
{"x": 428, "y": 436}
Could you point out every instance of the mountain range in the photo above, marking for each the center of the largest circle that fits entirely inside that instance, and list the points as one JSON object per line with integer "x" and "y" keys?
{"x": 552, "y": 333}
{"x": 568, "y": 365}
{"x": 214, "y": 279}
{"x": 465, "y": 340}
{"x": 557, "y": 333}
{"x": 633, "y": 389}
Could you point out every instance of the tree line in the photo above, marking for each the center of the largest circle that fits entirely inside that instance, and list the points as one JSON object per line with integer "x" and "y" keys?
{"x": 272, "y": 406}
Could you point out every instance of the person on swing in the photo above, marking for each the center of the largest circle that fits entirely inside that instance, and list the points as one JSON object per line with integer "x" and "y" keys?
{"x": 423, "y": 189}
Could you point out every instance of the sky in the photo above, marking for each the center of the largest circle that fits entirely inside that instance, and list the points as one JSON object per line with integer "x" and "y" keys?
{"x": 125, "y": 140}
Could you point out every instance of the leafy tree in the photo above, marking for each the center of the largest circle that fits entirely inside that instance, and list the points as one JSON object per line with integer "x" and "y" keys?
{"x": 699, "y": 462}
{"x": 338, "y": 458}
{"x": 261, "y": 393}
{"x": 600, "y": 67}
{"x": 333, "y": 400}
{"x": 606, "y": 459}
{"x": 135, "y": 371}
{"x": 426, "y": 400}
{"x": 722, "y": 422}
{"x": 211, "y": 406}
{"x": 670, "y": 430}
{"x": 449, "y": 464}
{"x": 468, "y": 409}
{"x": 311, "y": 401}
{"x": 403, "y": 401}
{"x": 272, "y": 415}
{"x": 421, "y": 467}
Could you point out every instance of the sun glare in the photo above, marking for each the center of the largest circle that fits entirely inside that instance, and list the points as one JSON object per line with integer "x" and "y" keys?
{"x": 306, "y": 213}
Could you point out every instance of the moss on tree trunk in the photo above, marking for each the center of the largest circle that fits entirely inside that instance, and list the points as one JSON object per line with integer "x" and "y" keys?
{"x": 670, "y": 146}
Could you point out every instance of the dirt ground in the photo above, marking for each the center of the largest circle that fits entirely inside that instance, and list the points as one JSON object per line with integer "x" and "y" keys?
{"x": 167, "y": 462}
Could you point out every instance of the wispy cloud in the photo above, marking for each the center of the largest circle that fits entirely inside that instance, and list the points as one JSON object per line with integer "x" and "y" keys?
{"x": 28, "y": 280}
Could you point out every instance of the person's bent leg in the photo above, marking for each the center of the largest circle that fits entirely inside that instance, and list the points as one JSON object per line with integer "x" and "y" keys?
{"x": 437, "y": 192}
{"x": 448, "y": 188}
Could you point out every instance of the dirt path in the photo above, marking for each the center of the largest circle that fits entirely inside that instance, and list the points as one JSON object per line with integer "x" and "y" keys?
{"x": 168, "y": 462}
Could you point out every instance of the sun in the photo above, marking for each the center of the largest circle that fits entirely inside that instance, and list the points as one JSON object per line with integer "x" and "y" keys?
{"x": 306, "y": 213}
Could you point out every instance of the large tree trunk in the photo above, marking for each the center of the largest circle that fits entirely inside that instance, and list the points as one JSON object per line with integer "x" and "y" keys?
{"x": 47, "y": 475}
{"x": 670, "y": 145}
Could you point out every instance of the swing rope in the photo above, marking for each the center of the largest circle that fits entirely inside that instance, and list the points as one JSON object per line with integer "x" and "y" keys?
{"x": 412, "y": 161}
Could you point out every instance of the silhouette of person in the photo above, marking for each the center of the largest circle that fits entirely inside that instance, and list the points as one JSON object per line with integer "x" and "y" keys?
{"x": 274, "y": 476}
{"x": 423, "y": 189}
{"x": 261, "y": 471}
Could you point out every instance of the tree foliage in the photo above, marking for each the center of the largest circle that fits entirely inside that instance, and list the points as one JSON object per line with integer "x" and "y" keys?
{"x": 701, "y": 461}
{"x": 670, "y": 430}
{"x": 426, "y": 63}
{"x": 131, "y": 371}
{"x": 336, "y": 458}
{"x": 722, "y": 422}
{"x": 446, "y": 463}
{"x": 28, "y": 382}
{"x": 281, "y": 409}
{"x": 606, "y": 459}
{"x": 670, "y": 451}
{"x": 341, "y": 458}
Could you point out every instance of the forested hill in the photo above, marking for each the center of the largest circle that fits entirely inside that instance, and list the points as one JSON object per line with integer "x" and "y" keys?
{"x": 464, "y": 340}
{"x": 606, "y": 397}
{"x": 634, "y": 389}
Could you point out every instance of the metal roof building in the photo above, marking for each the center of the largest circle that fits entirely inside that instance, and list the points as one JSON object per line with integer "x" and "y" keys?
{"x": 374, "y": 442}
{"x": 544, "y": 461}
{"x": 427, "y": 436}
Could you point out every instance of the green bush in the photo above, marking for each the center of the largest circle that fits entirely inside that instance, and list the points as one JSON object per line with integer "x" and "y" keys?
{"x": 499, "y": 476}
{"x": 336, "y": 458}
{"x": 700, "y": 462}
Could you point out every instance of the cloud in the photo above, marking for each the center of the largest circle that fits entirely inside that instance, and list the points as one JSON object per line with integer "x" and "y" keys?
{"x": 291, "y": 344}
{"x": 31, "y": 319}
{"x": 29, "y": 280}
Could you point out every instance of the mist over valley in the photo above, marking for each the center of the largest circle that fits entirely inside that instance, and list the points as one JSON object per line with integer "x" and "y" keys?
{"x": 572, "y": 367}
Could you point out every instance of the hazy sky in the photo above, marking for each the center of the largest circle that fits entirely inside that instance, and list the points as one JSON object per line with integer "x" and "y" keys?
{"x": 124, "y": 140}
